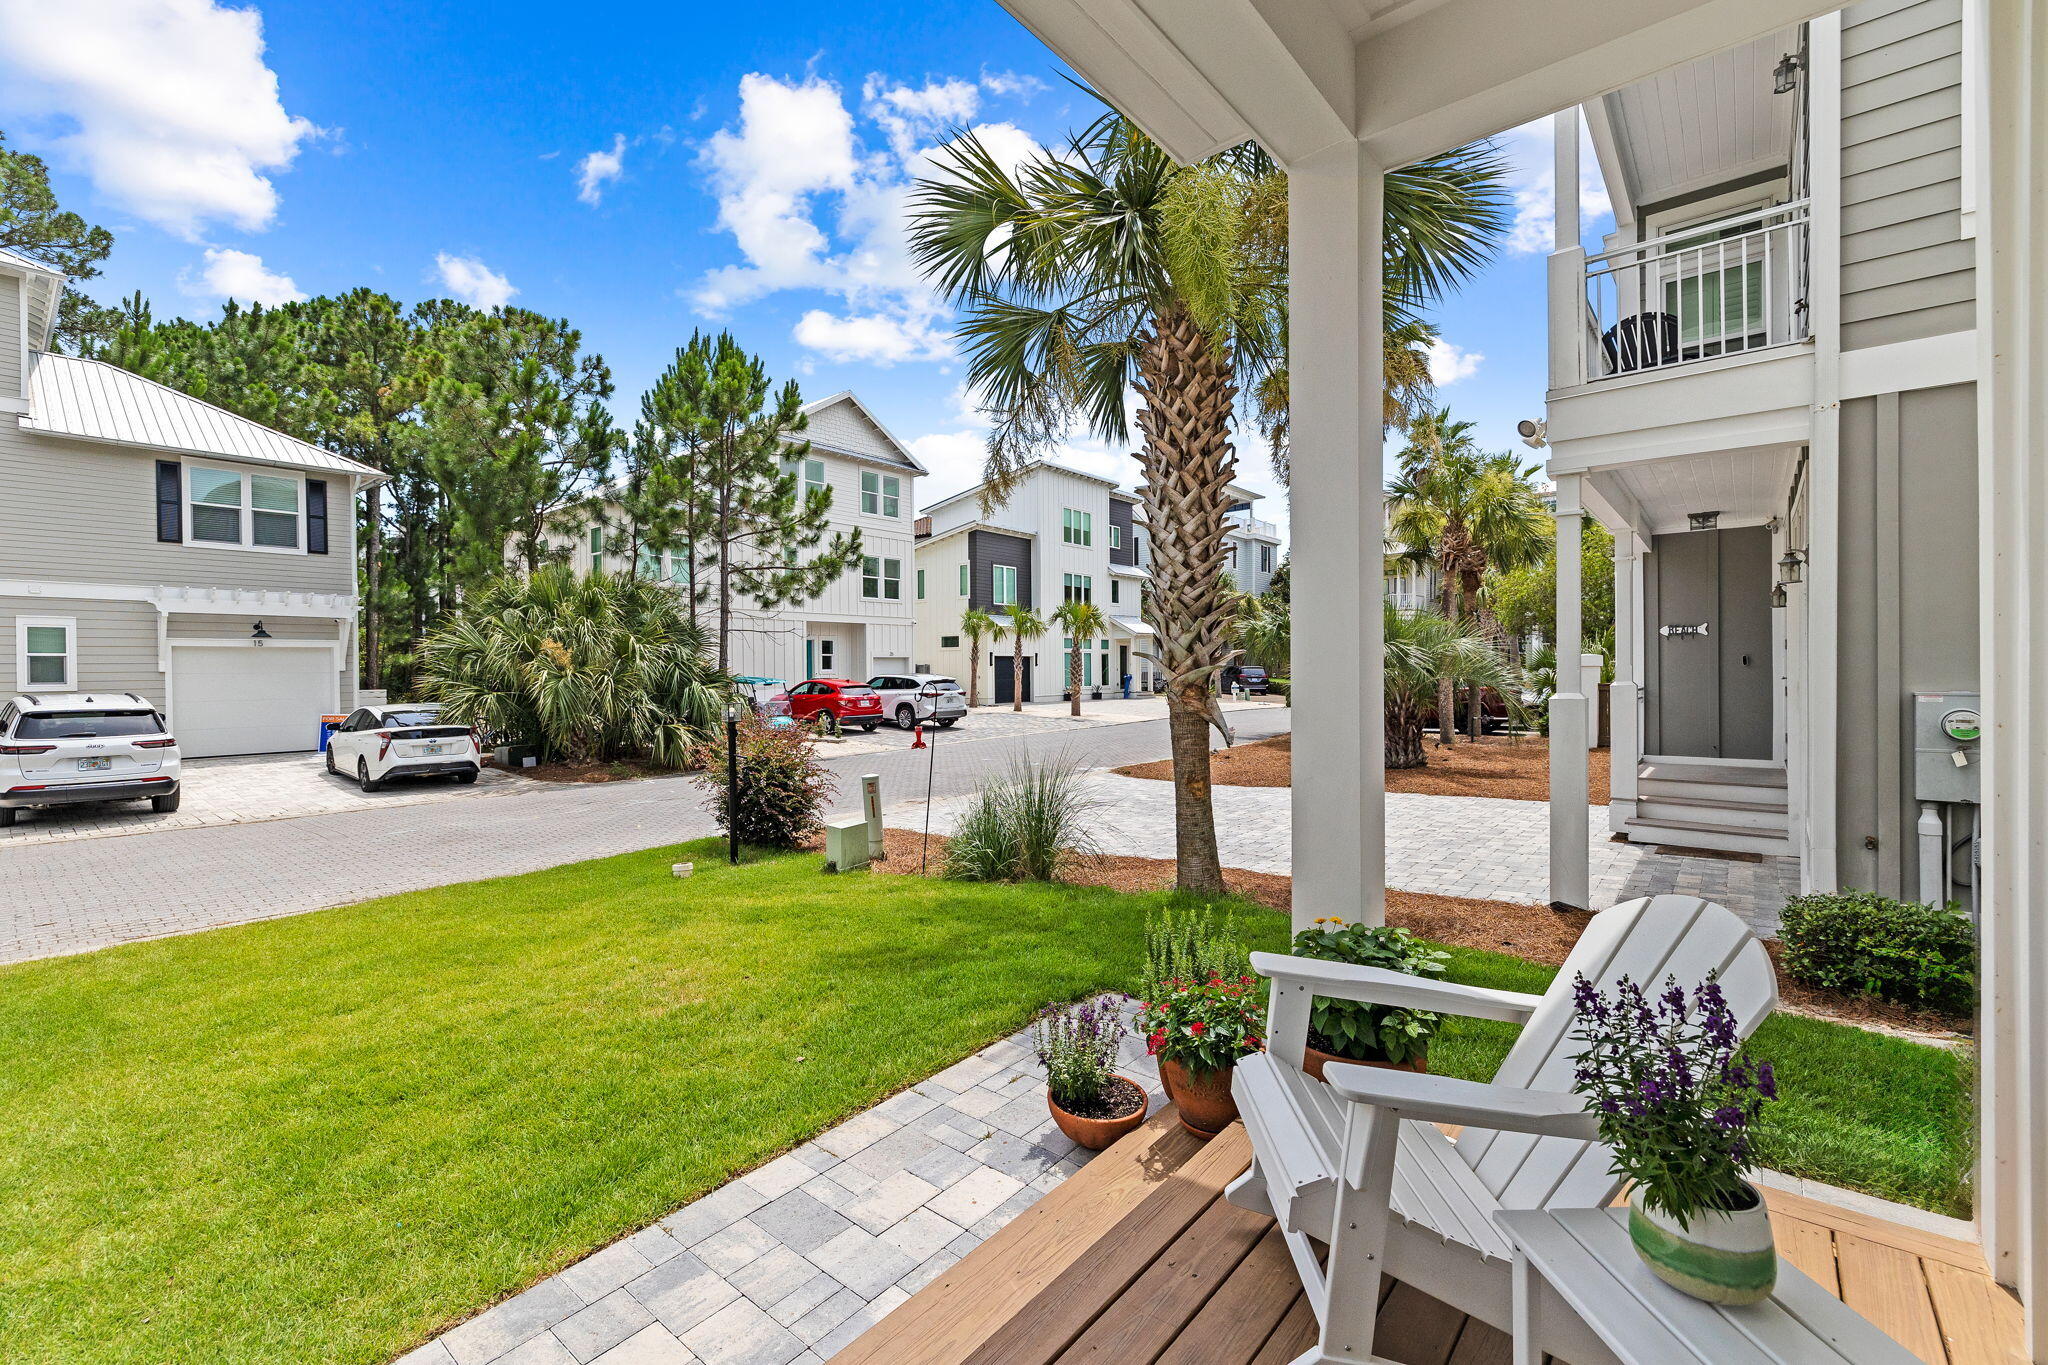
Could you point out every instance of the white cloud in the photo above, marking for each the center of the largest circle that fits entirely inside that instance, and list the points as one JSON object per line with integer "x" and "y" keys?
{"x": 1448, "y": 362}
{"x": 231, "y": 274}
{"x": 166, "y": 105}
{"x": 813, "y": 207}
{"x": 599, "y": 169}
{"x": 475, "y": 283}
{"x": 1010, "y": 84}
{"x": 1533, "y": 176}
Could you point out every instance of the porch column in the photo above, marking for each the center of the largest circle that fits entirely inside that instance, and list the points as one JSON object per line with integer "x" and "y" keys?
{"x": 1570, "y": 854}
{"x": 1624, "y": 746}
{"x": 2012, "y": 491}
{"x": 1339, "y": 801}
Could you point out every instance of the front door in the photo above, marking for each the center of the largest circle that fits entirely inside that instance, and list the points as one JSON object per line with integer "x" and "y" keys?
{"x": 1709, "y": 657}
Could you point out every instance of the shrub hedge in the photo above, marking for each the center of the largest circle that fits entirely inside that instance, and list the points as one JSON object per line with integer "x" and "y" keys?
{"x": 1861, "y": 942}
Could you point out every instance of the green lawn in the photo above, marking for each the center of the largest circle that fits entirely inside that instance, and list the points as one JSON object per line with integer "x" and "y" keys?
{"x": 320, "y": 1138}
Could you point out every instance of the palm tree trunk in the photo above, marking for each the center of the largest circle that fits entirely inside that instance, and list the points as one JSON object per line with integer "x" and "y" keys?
{"x": 1446, "y": 686}
{"x": 1185, "y": 403}
{"x": 974, "y": 673}
{"x": 1074, "y": 680}
{"x": 1404, "y": 737}
{"x": 1017, "y": 677}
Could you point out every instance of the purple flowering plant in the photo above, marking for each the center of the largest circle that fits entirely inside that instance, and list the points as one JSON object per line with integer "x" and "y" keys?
{"x": 1078, "y": 1045}
{"x": 1679, "y": 1097}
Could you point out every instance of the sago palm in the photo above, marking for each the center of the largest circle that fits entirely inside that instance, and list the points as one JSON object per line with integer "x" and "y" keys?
{"x": 1021, "y": 624}
{"x": 1083, "y": 622}
{"x": 1424, "y": 649}
{"x": 977, "y": 625}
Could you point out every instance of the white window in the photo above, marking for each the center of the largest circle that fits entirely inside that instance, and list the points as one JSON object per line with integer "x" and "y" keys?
{"x": 963, "y": 580}
{"x": 1116, "y": 536}
{"x": 1003, "y": 585}
{"x": 1077, "y": 528}
{"x": 920, "y": 585}
{"x": 814, "y": 476}
{"x": 650, "y": 563}
{"x": 881, "y": 578}
{"x": 46, "y": 653}
{"x": 880, "y": 494}
{"x": 252, "y": 511}
{"x": 1265, "y": 559}
{"x": 1115, "y": 592}
{"x": 597, "y": 549}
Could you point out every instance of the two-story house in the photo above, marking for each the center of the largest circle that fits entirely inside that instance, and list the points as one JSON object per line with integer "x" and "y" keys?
{"x": 155, "y": 544}
{"x": 1251, "y": 545}
{"x": 1061, "y": 535}
{"x": 862, "y": 623}
{"x": 1764, "y": 383}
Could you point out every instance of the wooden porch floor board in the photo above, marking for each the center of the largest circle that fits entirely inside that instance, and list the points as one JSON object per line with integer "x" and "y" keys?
{"x": 1138, "y": 1259}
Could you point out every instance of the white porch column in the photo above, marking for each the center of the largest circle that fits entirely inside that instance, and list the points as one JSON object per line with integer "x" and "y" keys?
{"x": 2012, "y": 491}
{"x": 1624, "y": 746}
{"x": 1567, "y": 277}
{"x": 1570, "y": 855}
{"x": 1334, "y": 326}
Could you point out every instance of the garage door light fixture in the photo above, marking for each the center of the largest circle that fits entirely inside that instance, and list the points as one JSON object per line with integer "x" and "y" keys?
{"x": 259, "y": 634}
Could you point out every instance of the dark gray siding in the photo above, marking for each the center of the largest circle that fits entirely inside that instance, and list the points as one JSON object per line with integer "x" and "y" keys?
{"x": 1907, "y": 270}
{"x": 985, "y": 550}
{"x": 1908, "y": 611}
{"x": 1120, "y": 517}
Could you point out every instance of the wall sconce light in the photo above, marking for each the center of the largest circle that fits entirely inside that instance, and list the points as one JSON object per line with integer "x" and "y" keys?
{"x": 1789, "y": 570}
{"x": 1777, "y": 594}
{"x": 1785, "y": 76}
{"x": 259, "y": 634}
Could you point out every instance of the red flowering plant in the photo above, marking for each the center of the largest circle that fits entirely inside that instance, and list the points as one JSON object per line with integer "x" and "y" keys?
{"x": 1200, "y": 1004}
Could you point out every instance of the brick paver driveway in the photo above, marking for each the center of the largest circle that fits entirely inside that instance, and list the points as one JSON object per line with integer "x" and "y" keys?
{"x": 71, "y": 896}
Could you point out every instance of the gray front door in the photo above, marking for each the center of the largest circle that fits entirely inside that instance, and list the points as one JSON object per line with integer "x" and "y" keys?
{"x": 1709, "y": 656}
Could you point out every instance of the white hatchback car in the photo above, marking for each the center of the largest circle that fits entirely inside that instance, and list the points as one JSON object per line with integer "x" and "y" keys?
{"x": 60, "y": 748}
{"x": 908, "y": 698}
{"x": 378, "y": 743}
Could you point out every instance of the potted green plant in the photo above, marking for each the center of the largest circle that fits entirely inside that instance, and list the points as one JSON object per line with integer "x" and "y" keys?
{"x": 1679, "y": 1099}
{"x": 1200, "y": 1012}
{"x": 1077, "y": 1044}
{"x": 1352, "y": 1031}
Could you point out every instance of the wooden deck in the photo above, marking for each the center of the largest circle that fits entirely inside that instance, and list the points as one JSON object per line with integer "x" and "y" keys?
{"x": 1138, "y": 1258}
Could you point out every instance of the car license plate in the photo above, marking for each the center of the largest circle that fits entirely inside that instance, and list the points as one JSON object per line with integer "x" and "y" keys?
{"x": 430, "y": 748}
{"x": 94, "y": 765}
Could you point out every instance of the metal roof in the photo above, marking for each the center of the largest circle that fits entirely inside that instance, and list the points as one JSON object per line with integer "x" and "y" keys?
{"x": 94, "y": 401}
{"x": 29, "y": 263}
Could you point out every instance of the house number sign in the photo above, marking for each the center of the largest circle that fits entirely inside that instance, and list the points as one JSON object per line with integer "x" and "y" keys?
{"x": 1700, "y": 629}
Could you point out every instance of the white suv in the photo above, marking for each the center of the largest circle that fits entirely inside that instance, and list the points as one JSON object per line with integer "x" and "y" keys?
{"x": 60, "y": 748}
{"x": 908, "y": 698}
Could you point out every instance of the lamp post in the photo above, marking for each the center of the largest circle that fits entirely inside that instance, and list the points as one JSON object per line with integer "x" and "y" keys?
{"x": 732, "y": 779}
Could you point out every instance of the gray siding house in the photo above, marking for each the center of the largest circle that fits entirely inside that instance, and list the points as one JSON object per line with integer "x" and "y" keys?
{"x": 155, "y": 544}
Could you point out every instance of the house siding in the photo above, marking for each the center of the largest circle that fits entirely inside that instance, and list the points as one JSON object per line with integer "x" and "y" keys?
{"x": 11, "y": 358}
{"x": 1907, "y": 611}
{"x": 116, "y": 643}
{"x": 1121, "y": 516}
{"x": 985, "y": 550}
{"x": 1907, "y": 271}
{"x": 83, "y": 512}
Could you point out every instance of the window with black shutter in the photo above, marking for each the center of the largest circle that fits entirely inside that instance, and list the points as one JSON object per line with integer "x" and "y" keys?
{"x": 170, "y": 517}
{"x": 316, "y": 516}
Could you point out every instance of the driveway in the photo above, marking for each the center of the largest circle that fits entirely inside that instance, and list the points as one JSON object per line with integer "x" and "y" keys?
{"x": 235, "y": 791}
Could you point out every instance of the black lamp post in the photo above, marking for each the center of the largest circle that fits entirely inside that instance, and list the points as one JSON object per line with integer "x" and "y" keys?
{"x": 732, "y": 778}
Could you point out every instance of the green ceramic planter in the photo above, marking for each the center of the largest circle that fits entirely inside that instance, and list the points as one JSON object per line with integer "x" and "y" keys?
{"x": 1721, "y": 1258}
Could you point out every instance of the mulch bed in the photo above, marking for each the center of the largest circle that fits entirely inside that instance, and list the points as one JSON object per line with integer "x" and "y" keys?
{"x": 1535, "y": 932}
{"x": 590, "y": 772}
{"x": 1514, "y": 768}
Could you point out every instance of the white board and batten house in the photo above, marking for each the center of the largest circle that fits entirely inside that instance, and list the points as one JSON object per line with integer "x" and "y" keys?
{"x": 155, "y": 544}
{"x": 864, "y": 622}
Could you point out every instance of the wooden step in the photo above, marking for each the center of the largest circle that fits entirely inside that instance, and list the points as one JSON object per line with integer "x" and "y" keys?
{"x": 1756, "y": 816}
{"x": 1713, "y": 774}
{"x": 1691, "y": 834}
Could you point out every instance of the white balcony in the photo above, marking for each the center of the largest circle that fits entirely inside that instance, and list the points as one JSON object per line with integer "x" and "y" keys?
{"x": 1252, "y": 526}
{"x": 1704, "y": 292}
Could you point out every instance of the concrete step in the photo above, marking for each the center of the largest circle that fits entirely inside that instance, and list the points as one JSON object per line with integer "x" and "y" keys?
{"x": 1689, "y": 834}
{"x": 1665, "y": 789}
{"x": 1714, "y": 774}
{"x": 1750, "y": 815}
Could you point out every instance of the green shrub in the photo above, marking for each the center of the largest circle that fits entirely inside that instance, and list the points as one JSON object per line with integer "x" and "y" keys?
{"x": 1859, "y": 941}
{"x": 1022, "y": 826}
{"x": 1353, "y": 1029}
{"x": 783, "y": 787}
{"x": 1188, "y": 944}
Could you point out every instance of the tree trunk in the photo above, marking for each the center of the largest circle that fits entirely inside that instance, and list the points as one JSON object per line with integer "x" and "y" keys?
{"x": 374, "y": 515}
{"x": 1404, "y": 738}
{"x": 974, "y": 674}
{"x": 1074, "y": 681}
{"x": 1185, "y": 403}
{"x": 1446, "y": 687}
{"x": 1017, "y": 677}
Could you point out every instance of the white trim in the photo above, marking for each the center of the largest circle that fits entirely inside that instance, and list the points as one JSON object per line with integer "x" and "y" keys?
{"x": 1818, "y": 869}
{"x": 1924, "y": 363}
{"x": 195, "y": 600}
{"x": 22, "y": 626}
{"x": 1976, "y": 110}
{"x": 248, "y": 509}
{"x": 848, "y": 396}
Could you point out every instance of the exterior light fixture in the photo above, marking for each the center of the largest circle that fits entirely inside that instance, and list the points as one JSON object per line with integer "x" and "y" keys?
{"x": 1702, "y": 521}
{"x": 1777, "y": 594}
{"x": 258, "y": 633}
{"x": 732, "y": 779}
{"x": 1785, "y": 76}
{"x": 1789, "y": 570}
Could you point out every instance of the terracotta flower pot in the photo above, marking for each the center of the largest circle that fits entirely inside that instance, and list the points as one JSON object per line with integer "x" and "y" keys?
{"x": 1205, "y": 1104}
{"x": 1096, "y": 1134}
{"x": 1314, "y": 1059}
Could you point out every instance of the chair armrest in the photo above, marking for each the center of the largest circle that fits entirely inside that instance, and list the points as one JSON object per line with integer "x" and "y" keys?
{"x": 1472, "y": 1104}
{"x": 1378, "y": 986}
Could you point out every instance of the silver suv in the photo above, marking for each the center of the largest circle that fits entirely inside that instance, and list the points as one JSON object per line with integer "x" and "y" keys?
{"x": 61, "y": 748}
{"x": 908, "y": 698}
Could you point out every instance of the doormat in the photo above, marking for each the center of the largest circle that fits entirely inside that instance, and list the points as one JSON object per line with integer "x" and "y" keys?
{"x": 1725, "y": 855}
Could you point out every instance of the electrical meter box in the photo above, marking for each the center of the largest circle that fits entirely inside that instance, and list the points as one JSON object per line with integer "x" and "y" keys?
{"x": 1947, "y": 734}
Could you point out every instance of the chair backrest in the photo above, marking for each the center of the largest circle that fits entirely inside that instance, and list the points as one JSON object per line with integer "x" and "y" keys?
{"x": 1645, "y": 940}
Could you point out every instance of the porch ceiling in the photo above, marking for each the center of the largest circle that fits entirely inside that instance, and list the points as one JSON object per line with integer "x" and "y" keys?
{"x": 1656, "y": 497}
{"x": 1707, "y": 122}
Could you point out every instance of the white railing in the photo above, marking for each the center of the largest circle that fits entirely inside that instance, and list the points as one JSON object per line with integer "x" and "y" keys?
{"x": 1251, "y": 525}
{"x": 1716, "y": 289}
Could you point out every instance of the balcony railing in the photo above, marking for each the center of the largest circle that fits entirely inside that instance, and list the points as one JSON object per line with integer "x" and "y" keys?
{"x": 1251, "y": 525}
{"x": 1717, "y": 289}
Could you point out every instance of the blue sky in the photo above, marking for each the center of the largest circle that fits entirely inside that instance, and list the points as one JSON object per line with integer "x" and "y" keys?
{"x": 638, "y": 170}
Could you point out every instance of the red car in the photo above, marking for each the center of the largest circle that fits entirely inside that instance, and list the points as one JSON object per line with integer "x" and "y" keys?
{"x": 852, "y": 704}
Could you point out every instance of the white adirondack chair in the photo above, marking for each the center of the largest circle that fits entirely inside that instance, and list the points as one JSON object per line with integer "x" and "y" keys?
{"x": 1360, "y": 1168}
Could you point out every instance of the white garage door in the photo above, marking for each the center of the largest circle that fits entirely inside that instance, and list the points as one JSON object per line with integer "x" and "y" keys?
{"x": 249, "y": 700}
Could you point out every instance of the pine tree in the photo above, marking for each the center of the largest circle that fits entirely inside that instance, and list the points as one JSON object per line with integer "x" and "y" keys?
{"x": 33, "y": 225}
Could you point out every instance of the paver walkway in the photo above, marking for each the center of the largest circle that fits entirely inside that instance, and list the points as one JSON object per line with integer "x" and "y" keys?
{"x": 798, "y": 1257}
{"x": 1484, "y": 848}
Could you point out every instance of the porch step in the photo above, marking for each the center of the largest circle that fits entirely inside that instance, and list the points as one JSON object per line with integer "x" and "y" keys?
{"x": 1764, "y": 816}
{"x": 1694, "y": 834}
{"x": 1740, "y": 785}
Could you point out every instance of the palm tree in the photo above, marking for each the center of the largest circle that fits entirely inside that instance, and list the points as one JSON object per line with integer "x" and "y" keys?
{"x": 1023, "y": 624}
{"x": 1423, "y": 649}
{"x": 1083, "y": 622}
{"x": 1265, "y": 632}
{"x": 977, "y": 625}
